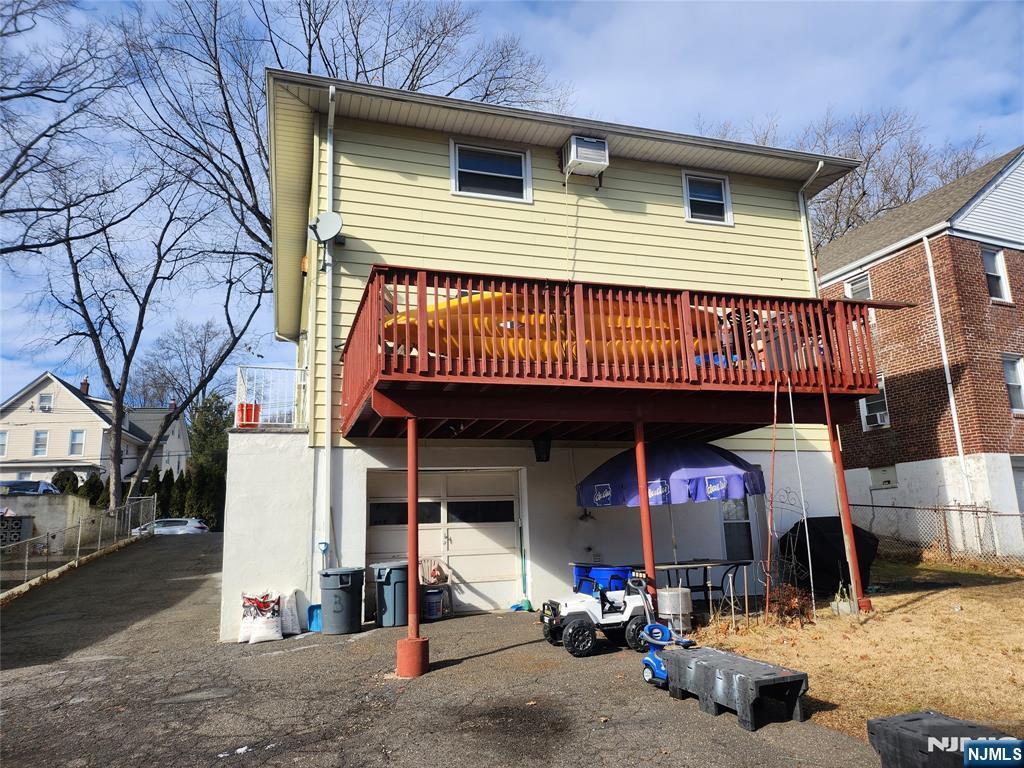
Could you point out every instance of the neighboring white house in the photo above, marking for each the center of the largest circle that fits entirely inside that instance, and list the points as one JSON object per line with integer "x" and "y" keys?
{"x": 52, "y": 425}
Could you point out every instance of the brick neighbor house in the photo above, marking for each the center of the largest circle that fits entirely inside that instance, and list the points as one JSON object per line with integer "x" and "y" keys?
{"x": 947, "y": 426}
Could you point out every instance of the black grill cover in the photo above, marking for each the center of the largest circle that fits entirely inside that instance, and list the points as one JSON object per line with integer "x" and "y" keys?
{"x": 828, "y": 553}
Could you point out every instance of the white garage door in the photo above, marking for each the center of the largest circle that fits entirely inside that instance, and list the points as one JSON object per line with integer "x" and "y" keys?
{"x": 469, "y": 521}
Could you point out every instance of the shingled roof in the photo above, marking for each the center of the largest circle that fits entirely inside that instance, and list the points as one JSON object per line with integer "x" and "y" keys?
{"x": 909, "y": 219}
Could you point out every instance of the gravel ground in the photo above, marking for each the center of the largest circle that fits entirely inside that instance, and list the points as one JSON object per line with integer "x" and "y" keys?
{"x": 118, "y": 665}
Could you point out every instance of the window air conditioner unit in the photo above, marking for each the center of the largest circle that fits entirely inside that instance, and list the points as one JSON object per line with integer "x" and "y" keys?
{"x": 876, "y": 419}
{"x": 584, "y": 157}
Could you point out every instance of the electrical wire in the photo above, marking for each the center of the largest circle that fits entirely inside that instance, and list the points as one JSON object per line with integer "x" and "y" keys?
{"x": 803, "y": 502}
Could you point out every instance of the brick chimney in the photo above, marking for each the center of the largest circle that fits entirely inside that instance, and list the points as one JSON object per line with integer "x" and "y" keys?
{"x": 84, "y": 386}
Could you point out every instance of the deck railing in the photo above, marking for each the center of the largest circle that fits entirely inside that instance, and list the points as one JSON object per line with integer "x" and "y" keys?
{"x": 424, "y": 324}
{"x": 270, "y": 398}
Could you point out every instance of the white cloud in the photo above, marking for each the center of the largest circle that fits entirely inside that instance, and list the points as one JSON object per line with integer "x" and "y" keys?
{"x": 958, "y": 66}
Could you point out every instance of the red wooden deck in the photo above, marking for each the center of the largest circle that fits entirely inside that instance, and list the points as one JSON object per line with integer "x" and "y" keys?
{"x": 503, "y": 357}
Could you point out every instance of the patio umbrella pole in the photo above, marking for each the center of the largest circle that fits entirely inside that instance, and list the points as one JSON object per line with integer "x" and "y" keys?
{"x": 645, "y": 511}
{"x": 413, "y": 652}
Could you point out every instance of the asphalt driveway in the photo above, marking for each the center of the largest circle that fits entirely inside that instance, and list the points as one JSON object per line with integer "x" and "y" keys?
{"x": 118, "y": 665}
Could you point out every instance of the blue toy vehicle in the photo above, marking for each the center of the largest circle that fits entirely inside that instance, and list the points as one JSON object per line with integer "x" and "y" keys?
{"x": 658, "y": 637}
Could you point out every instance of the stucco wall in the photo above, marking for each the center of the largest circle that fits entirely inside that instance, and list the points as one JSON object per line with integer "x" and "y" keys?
{"x": 267, "y": 516}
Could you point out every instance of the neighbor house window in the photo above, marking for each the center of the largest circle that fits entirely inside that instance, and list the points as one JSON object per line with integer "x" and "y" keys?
{"x": 77, "y": 446}
{"x": 46, "y": 403}
{"x": 859, "y": 288}
{"x": 707, "y": 198}
{"x": 24, "y": 476}
{"x": 995, "y": 273}
{"x": 3, "y": 443}
{"x": 736, "y": 527}
{"x": 40, "y": 441}
{"x": 874, "y": 409}
{"x": 1014, "y": 382}
{"x": 493, "y": 173}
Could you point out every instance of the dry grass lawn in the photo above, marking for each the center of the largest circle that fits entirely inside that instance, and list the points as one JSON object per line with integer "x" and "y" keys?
{"x": 957, "y": 650}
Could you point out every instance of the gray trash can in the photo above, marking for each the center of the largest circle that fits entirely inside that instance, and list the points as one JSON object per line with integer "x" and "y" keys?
{"x": 341, "y": 599}
{"x": 392, "y": 579}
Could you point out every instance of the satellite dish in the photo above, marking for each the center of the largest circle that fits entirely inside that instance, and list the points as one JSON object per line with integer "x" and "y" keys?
{"x": 325, "y": 226}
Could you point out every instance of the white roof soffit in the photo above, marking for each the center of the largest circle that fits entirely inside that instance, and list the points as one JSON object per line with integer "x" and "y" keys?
{"x": 520, "y": 126}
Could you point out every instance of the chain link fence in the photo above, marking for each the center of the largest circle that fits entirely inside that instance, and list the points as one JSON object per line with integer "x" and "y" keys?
{"x": 944, "y": 533}
{"x": 44, "y": 552}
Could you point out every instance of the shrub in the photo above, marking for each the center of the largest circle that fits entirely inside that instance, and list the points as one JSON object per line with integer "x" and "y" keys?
{"x": 66, "y": 481}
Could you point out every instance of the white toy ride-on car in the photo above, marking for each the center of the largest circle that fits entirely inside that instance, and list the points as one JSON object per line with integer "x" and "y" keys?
{"x": 621, "y": 614}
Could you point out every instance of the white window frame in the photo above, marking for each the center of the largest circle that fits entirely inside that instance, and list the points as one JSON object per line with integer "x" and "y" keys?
{"x": 1018, "y": 362}
{"x": 48, "y": 408}
{"x": 453, "y": 161}
{"x": 726, "y": 195}
{"x": 862, "y": 408}
{"x": 1000, "y": 255}
{"x": 23, "y": 475}
{"x": 71, "y": 442}
{"x": 3, "y": 442}
{"x": 35, "y": 439}
{"x": 848, "y": 291}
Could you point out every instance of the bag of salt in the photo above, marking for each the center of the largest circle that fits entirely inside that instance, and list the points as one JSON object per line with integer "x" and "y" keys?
{"x": 267, "y": 623}
{"x": 290, "y": 615}
{"x": 248, "y": 616}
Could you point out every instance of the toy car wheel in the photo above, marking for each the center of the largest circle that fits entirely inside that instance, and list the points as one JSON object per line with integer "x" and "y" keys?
{"x": 552, "y": 635}
{"x": 648, "y": 674}
{"x": 633, "y": 630}
{"x": 579, "y": 638}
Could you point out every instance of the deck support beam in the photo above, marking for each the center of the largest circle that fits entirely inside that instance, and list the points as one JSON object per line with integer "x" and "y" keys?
{"x": 413, "y": 652}
{"x": 646, "y": 529}
{"x": 863, "y": 603}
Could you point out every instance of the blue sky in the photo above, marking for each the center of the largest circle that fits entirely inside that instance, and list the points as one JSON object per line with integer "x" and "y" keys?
{"x": 959, "y": 66}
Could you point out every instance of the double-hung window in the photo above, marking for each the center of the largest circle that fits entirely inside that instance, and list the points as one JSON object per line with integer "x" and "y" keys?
{"x": 40, "y": 442}
{"x": 492, "y": 173}
{"x": 859, "y": 289}
{"x": 995, "y": 273}
{"x": 736, "y": 528}
{"x": 707, "y": 199}
{"x": 46, "y": 403}
{"x": 1014, "y": 382}
{"x": 76, "y": 446}
{"x": 874, "y": 409}
{"x": 3, "y": 443}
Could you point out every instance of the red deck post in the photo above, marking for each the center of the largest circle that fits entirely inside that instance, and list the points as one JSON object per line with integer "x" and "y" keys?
{"x": 413, "y": 652}
{"x": 645, "y": 508}
{"x": 863, "y": 603}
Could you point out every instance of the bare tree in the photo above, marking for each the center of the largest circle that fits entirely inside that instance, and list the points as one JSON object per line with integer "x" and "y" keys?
{"x": 50, "y": 99}
{"x": 182, "y": 360}
{"x": 101, "y": 292}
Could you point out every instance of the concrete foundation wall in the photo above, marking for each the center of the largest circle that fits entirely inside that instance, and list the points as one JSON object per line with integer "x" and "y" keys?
{"x": 267, "y": 518}
{"x": 271, "y": 529}
{"x": 51, "y": 512}
{"x": 941, "y": 483}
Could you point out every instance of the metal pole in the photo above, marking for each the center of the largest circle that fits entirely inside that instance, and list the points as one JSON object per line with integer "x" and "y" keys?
{"x": 771, "y": 503}
{"x": 412, "y": 529}
{"x": 732, "y": 602}
{"x": 99, "y": 536}
{"x": 803, "y": 502}
{"x": 746, "y": 595}
{"x": 863, "y": 603}
{"x": 26, "y": 564}
{"x": 645, "y": 510}
{"x": 78, "y": 544}
{"x": 413, "y": 654}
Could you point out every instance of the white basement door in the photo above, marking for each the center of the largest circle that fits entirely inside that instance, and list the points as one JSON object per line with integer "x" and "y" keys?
{"x": 469, "y": 522}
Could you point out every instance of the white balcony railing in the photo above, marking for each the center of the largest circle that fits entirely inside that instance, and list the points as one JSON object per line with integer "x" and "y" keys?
{"x": 270, "y": 398}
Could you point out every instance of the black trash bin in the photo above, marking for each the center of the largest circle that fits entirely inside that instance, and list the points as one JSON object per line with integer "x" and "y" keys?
{"x": 392, "y": 579}
{"x": 341, "y": 599}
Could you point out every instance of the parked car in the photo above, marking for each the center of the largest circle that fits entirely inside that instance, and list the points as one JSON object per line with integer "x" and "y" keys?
{"x": 172, "y": 526}
{"x": 27, "y": 488}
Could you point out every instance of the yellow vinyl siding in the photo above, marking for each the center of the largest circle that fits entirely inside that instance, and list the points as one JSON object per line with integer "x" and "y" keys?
{"x": 393, "y": 188}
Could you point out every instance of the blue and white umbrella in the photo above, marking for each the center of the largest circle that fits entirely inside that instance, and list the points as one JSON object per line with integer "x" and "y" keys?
{"x": 677, "y": 473}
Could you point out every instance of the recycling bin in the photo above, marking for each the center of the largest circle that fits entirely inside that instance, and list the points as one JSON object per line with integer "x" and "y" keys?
{"x": 341, "y": 600}
{"x": 392, "y": 580}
